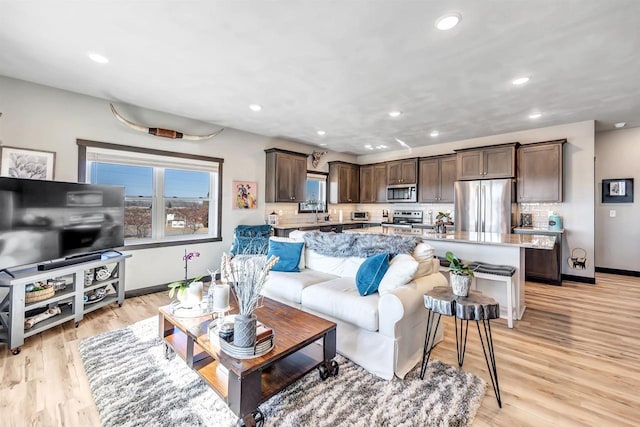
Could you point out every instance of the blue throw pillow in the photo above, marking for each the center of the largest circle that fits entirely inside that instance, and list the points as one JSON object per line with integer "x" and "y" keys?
{"x": 289, "y": 254}
{"x": 251, "y": 239}
{"x": 371, "y": 272}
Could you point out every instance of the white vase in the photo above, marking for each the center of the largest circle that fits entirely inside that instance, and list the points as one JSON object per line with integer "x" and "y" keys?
{"x": 460, "y": 284}
{"x": 192, "y": 296}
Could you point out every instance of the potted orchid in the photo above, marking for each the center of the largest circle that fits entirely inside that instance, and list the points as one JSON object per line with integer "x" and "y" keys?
{"x": 189, "y": 293}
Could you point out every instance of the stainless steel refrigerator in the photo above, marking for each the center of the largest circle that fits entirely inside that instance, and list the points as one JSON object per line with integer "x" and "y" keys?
{"x": 484, "y": 206}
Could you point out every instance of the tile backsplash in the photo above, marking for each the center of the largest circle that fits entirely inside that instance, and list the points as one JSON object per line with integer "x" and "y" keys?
{"x": 288, "y": 212}
{"x": 539, "y": 212}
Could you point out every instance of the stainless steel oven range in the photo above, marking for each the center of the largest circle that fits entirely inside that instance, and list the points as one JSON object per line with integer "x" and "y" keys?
{"x": 404, "y": 218}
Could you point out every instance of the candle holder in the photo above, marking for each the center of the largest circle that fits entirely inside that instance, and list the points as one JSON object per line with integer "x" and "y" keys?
{"x": 218, "y": 303}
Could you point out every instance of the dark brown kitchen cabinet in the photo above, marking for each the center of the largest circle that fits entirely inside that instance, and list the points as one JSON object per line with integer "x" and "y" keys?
{"x": 402, "y": 172}
{"x": 344, "y": 183}
{"x": 286, "y": 176}
{"x": 540, "y": 172}
{"x": 498, "y": 161}
{"x": 543, "y": 265}
{"x": 373, "y": 183}
{"x": 437, "y": 175}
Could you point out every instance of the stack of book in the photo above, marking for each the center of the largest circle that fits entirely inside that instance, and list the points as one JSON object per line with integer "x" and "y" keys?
{"x": 264, "y": 344}
{"x": 263, "y": 333}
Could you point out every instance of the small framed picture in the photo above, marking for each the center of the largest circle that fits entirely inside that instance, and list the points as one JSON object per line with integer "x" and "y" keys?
{"x": 245, "y": 195}
{"x": 25, "y": 163}
{"x": 617, "y": 190}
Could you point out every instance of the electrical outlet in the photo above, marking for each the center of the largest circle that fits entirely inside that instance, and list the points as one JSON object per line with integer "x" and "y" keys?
{"x": 612, "y": 213}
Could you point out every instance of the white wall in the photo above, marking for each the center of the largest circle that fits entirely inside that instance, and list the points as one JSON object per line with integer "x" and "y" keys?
{"x": 617, "y": 238}
{"x": 40, "y": 117}
{"x": 578, "y": 207}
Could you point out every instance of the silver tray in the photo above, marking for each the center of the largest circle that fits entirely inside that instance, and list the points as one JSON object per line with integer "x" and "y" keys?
{"x": 260, "y": 349}
{"x": 247, "y": 352}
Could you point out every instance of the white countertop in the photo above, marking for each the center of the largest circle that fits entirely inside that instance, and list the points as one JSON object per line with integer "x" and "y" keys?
{"x": 533, "y": 230}
{"x": 320, "y": 224}
{"x": 534, "y": 241}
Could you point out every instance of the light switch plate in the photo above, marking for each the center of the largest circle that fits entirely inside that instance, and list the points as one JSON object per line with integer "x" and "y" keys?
{"x": 612, "y": 213}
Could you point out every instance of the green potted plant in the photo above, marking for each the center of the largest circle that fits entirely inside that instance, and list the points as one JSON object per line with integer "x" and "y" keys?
{"x": 460, "y": 275}
{"x": 442, "y": 220}
{"x": 188, "y": 292}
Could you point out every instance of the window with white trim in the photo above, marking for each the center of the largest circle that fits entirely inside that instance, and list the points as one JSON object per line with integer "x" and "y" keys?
{"x": 167, "y": 198}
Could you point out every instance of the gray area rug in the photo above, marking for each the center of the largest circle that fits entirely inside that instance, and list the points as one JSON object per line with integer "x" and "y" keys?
{"x": 134, "y": 385}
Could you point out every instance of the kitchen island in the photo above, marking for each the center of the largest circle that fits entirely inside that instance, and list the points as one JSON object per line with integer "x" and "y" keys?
{"x": 492, "y": 248}
{"x": 283, "y": 229}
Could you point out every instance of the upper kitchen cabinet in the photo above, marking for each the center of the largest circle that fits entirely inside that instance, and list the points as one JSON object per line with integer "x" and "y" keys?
{"x": 402, "y": 172}
{"x": 540, "y": 172}
{"x": 286, "y": 176}
{"x": 498, "y": 161}
{"x": 344, "y": 183}
{"x": 373, "y": 183}
{"x": 437, "y": 175}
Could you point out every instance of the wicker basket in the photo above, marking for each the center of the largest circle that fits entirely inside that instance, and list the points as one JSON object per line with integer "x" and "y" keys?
{"x": 39, "y": 295}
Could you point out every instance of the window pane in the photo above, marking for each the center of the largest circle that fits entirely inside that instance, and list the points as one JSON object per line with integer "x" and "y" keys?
{"x": 186, "y": 217}
{"x": 137, "y": 219}
{"x": 137, "y": 180}
{"x": 186, "y": 184}
{"x": 316, "y": 194}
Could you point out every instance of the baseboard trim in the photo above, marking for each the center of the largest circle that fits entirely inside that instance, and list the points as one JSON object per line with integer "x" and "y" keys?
{"x": 145, "y": 291}
{"x": 153, "y": 289}
{"x": 617, "y": 271}
{"x": 581, "y": 279}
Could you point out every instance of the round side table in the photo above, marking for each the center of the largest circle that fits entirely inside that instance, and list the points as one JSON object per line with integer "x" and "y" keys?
{"x": 440, "y": 301}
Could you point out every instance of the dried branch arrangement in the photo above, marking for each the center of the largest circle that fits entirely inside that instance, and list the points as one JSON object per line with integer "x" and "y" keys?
{"x": 247, "y": 275}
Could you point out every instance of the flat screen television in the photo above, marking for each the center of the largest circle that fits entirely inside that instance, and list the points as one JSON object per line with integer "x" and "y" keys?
{"x": 51, "y": 220}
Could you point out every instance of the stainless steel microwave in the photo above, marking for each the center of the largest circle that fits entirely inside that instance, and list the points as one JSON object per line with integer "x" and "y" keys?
{"x": 402, "y": 193}
{"x": 360, "y": 216}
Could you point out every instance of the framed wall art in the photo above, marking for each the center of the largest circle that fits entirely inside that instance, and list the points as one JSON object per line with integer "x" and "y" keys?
{"x": 26, "y": 163}
{"x": 618, "y": 190}
{"x": 245, "y": 195}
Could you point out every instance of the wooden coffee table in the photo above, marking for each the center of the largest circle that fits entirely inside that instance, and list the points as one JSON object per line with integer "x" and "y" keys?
{"x": 302, "y": 342}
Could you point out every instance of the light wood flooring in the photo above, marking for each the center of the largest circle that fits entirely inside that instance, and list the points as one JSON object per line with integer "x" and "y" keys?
{"x": 572, "y": 361}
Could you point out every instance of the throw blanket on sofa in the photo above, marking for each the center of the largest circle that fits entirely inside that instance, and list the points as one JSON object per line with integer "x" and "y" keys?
{"x": 357, "y": 244}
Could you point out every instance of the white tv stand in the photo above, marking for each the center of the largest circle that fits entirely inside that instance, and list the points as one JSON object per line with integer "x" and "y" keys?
{"x": 70, "y": 299}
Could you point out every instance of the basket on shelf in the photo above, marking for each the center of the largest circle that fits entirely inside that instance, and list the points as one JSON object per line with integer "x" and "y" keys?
{"x": 34, "y": 296}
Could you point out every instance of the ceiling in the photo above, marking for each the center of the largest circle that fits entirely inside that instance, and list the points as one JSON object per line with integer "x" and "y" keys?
{"x": 340, "y": 66}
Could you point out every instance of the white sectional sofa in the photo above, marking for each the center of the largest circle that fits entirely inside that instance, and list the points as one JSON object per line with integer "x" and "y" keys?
{"x": 382, "y": 333}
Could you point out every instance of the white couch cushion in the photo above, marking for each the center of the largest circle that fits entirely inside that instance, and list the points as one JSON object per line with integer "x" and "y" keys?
{"x": 289, "y": 286}
{"x": 423, "y": 253}
{"x": 340, "y": 299}
{"x": 339, "y": 266}
{"x": 401, "y": 270}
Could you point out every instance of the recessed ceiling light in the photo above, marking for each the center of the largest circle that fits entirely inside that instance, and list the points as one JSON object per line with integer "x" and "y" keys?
{"x": 535, "y": 115}
{"x": 380, "y": 147}
{"x": 324, "y": 144}
{"x": 395, "y": 114}
{"x": 520, "y": 80}
{"x": 448, "y": 21}
{"x": 321, "y": 133}
{"x": 255, "y": 107}
{"x": 368, "y": 147}
{"x": 96, "y": 57}
{"x": 620, "y": 125}
{"x": 434, "y": 133}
